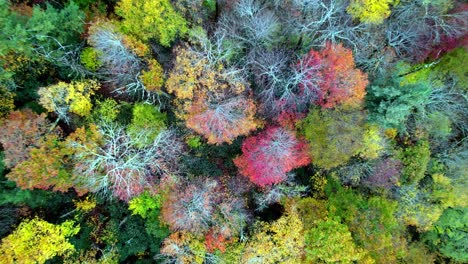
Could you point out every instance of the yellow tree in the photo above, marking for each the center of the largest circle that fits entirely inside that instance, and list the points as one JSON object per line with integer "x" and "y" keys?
{"x": 370, "y": 11}
{"x": 279, "y": 242}
{"x": 153, "y": 19}
{"x": 35, "y": 241}
{"x": 212, "y": 99}
{"x": 74, "y": 97}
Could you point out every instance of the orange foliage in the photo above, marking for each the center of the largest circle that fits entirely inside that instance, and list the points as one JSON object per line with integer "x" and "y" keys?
{"x": 341, "y": 84}
{"x": 212, "y": 102}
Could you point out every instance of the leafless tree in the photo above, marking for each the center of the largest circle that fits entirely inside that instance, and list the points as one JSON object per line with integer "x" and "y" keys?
{"x": 118, "y": 167}
{"x": 121, "y": 67}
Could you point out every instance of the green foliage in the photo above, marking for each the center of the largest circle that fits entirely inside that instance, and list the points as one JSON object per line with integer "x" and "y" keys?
{"x": 90, "y": 59}
{"x": 331, "y": 242}
{"x": 154, "y": 19}
{"x": 415, "y": 160}
{"x": 194, "y": 142}
{"x": 147, "y": 123}
{"x": 334, "y": 136}
{"x": 439, "y": 125}
{"x": 44, "y": 31}
{"x": 210, "y": 5}
{"x": 451, "y": 65}
{"x": 143, "y": 204}
{"x": 104, "y": 111}
{"x": 391, "y": 103}
{"x": 416, "y": 208}
{"x": 449, "y": 234}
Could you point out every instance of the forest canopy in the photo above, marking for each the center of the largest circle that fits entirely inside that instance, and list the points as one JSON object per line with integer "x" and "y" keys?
{"x": 233, "y": 131}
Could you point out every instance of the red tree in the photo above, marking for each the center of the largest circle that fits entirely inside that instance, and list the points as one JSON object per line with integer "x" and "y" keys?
{"x": 335, "y": 75}
{"x": 268, "y": 156}
{"x": 222, "y": 119}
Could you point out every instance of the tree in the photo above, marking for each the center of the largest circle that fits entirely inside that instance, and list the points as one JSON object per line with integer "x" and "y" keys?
{"x": 155, "y": 19}
{"x": 46, "y": 31}
{"x": 6, "y": 102}
{"x": 415, "y": 160}
{"x": 211, "y": 99}
{"x": 48, "y": 167}
{"x": 386, "y": 174}
{"x": 182, "y": 247}
{"x": 417, "y": 208}
{"x": 448, "y": 235}
{"x": 331, "y": 242}
{"x": 193, "y": 208}
{"x": 268, "y": 156}
{"x": 122, "y": 68}
{"x": 64, "y": 98}
{"x": 20, "y": 132}
{"x": 281, "y": 241}
{"x": 108, "y": 162}
{"x": 334, "y": 136}
{"x": 147, "y": 123}
{"x": 390, "y": 103}
{"x": 35, "y": 241}
{"x": 340, "y": 83}
{"x": 370, "y": 11}
{"x": 416, "y": 27}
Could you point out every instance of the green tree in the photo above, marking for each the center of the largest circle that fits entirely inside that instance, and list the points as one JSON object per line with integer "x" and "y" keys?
{"x": 449, "y": 234}
{"x": 390, "y": 102}
{"x": 154, "y": 19}
{"x": 331, "y": 242}
{"x": 334, "y": 136}
{"x": 147, "y": 123}
{"x": 45, "y": 31}
{"x": 415, "y": 159}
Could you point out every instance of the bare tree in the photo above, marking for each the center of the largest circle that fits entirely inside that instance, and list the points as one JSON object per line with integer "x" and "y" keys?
{"x": 121, "y": 67}
{"x": 118, "y": 167}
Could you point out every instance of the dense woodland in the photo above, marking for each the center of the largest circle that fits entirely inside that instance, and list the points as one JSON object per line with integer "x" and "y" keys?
{"x": 233, "y": 131}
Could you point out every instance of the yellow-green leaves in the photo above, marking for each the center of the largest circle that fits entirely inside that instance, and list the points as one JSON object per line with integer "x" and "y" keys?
{"x": 35, "y": 241}
{"x": 279, "y": 242}
{"x": 151, "y": 19}
{"x": 72, "y": 97}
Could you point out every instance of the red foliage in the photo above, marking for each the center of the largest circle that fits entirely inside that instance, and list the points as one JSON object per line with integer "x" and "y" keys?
{"x": 333, "y": 69}
{"x": 268, "y": 156}
{"x": 215, "y": 241}
{"x": 222, "y": 119}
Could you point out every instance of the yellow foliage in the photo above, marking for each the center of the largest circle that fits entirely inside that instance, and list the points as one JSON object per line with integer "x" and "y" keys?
{"x": 6, "y": 101}
{"x": 85, "y": 205}
{"x": 72, "y": 97}
{"x": 212, "y": 103}
{"x": 151, "y": 19}
{"x": 279, "y": 242}
{"x": 373, "y": 143}
{"x": 184, "y": 248}
{"x": 153, "y": 78}
{"x": 370, "y": 11}
{"x": 35, "y": 241}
